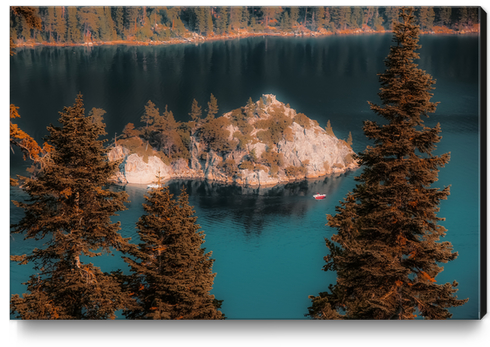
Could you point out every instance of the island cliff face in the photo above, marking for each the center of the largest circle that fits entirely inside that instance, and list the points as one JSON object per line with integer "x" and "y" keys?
{"x": 262, "y": 144}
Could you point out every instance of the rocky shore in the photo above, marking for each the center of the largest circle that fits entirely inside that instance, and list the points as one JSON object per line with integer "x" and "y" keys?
{"x": 304, "y": 150}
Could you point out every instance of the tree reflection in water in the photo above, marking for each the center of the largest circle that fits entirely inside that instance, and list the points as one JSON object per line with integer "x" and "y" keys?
{"x": 256, "y": 207}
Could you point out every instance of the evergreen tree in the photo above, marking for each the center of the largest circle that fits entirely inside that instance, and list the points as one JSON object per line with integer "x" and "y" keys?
{"x": 173, "y": 15}
{"x": 107, "y": 28}
{"x": 426, "y": 18}
{"x": 209, "y": 23}
{"x": 60, "y": 24}
{"x": 235, "y": 17}
{"x": 356, "y": 17}
{"x": 473, "y": 15}
{"x": 150, "y": 115}
{"x": 463, "y": 16}
{"x": 367, "y": 15}
{"x": 73, "y": 33}
{"x": 196, "y": 114}
{"x": 349, "y": 139}
{"x": 387, "y": 249}
{"x": 391, "y": 14}
{"x": 212, "y": 107}
{"x": 293, "y": 16}
{"x": 70, "y": 208}
{"x": 285, "y": 22}
{"x": 130, "y": 20}
{"x": 119, "y": 20}
{"x": 445, "y": 15}
{"x": 245, "y": 18}
{"x": 200, "y": 19}
{"x": 341, "y": 17}
{"x": 223, "y": 20}
{"x": 129, "y": 131}
{"x": 378, "y": 20}
{"x": 320, "y": 22}
{"x": 49, "y": 22}
{"x": 172, "y": 275}
{"x": 329, "y": 129}
{"x": 89, "y": 22}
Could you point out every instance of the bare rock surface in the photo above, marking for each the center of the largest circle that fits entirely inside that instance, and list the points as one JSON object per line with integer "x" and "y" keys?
{"x": 307, "y": 146}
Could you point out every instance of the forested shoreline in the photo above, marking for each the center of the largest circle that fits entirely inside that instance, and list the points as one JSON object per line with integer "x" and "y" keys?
{"x": 70, "y": 25}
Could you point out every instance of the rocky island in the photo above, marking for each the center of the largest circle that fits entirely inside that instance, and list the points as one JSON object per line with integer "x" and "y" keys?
{"x": 261, "y": 144}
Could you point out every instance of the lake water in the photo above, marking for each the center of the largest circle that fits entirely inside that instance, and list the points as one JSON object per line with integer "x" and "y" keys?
{"x": 268, "y": 243}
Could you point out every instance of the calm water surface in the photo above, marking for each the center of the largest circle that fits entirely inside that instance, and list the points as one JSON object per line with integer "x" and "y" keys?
{"x": 268, "y": 243}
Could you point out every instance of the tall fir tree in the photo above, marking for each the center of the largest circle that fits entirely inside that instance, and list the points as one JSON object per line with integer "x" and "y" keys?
{"x": 73, "y": 31}
{"x": 171, "y": 273}
{"x": 387, "y": 250}
{"x": 212, "y": 107}
{"x": 70, "y": 207}
{"x": 200, "y": 19}
{"x": 60, "y": 24}
{"x": 445, "y": 15}
{"x": 196, "y": 114}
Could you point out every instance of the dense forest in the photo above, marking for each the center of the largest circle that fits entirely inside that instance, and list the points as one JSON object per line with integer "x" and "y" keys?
{"x": 75, "y": 25}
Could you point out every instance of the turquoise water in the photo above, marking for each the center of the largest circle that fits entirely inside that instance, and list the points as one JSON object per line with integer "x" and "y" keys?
{"x": 268, "y": 243}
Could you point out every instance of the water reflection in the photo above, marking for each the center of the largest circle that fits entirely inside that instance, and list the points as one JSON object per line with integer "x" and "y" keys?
{"x": 254, "y": 208}
{"x": 241, "y": 208}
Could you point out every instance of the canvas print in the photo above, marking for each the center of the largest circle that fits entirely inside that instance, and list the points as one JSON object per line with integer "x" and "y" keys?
{"x": 247, "y": 162}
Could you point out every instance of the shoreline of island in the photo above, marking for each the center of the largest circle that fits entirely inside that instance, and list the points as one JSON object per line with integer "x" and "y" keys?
{"x": 264, "y": 143}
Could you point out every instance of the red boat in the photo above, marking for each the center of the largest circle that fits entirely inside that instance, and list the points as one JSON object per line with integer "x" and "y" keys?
{"x": 320, "y": 196}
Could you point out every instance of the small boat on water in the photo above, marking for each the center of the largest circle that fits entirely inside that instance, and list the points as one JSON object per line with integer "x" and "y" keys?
{"x": 320, "y": 196}
{"x": 153, "y": 186}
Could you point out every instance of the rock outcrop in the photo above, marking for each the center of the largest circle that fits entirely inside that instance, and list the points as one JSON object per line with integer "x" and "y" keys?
{"x": 295, "y": 148}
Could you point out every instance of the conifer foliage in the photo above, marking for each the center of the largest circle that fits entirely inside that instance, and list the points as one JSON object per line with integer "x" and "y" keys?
{"x": 387, "y": 249}
{"x": 172, "y": 275}
{"x": 69, "y": 206}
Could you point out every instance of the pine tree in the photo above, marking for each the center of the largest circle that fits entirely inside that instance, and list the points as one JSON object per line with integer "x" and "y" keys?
{"x": 150, "y": 117}
{"x": 212, "y": 107}
{"x": 445, "y": 15}
{"x": 387, "y": 249}
{"x": 171, "y": 273}
{"x": 329, "y": 129}
{"x": 223, "y": 20}
{"x": 196, "y": 114}
{"x": 151, "y": 114}
{"x": 73, "y": 32}
{"x": 426, "y": 18}
{"x": 60, "y": 24}
{"x": 118, "y": 13}
{"x": 200, "y": 19}
{"x": 70, "y": 207}
{"x": 293, "y": 16}
{"x": 250, "y": 108}
{"x": 209, "y": 23}
{"x": 349, "y": 139}
{"x": 463, "y": 16}
{"x": 129, "y": 131}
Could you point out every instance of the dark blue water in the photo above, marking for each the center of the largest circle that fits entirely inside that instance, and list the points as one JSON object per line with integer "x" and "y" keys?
{"x": 268, "y": 243}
